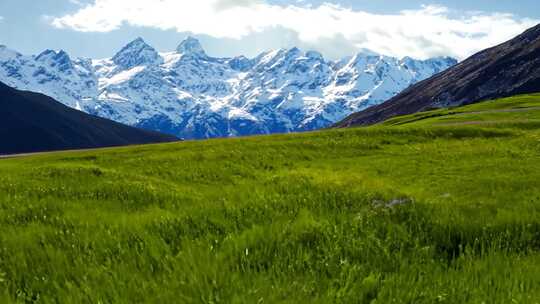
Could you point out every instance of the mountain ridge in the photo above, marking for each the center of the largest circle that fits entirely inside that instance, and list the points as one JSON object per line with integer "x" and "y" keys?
{"x": 33, "y": 122}
{"x": 507, "y": 69}
{"x": 189, "y": 94}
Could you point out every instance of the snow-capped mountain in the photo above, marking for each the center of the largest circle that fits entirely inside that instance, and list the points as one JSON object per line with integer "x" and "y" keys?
{"x": 192, "y": 95}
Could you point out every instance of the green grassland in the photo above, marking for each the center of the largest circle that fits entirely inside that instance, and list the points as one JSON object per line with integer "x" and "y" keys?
{"x": 514, "y": 110}
{"x": 436, "y": 207}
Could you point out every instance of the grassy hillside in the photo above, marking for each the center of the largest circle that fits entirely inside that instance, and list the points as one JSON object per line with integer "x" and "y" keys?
{"x": 444, "y": 208}
{"x": 520, "y": 110}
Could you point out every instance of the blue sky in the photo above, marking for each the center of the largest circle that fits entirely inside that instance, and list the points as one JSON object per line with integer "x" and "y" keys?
{"x": 421, "y": 29}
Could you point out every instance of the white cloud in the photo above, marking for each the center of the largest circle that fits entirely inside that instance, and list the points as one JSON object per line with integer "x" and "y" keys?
{"x": 1, "y": 18}
{"x": 428, "y": 31}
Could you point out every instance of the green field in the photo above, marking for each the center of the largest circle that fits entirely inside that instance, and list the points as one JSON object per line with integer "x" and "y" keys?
{"x": 437, "y": 207}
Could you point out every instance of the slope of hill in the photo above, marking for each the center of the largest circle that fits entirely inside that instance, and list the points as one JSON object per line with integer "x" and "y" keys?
{"x": 193, "y": 95}
{"x": 426, "y": 212}
{"x": 521, "y": 109}
{"x": 32, "y": 122}
{"x": 505, "y": 70}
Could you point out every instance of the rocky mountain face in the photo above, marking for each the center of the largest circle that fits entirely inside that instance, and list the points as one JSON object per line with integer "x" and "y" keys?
{"x": 33, "y": 122}
{"x": 192, "y": 95}
{"x": 508, "y": 69}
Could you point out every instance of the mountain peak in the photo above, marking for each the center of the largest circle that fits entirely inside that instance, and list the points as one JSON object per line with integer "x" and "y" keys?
{"x": 293, "y": 53}
{"x": 62, "y": 56}
{"x": 137, "y": 53}
{"x": 363, "y": 52}
{"x": 137, "y": 43}
{"x": 58, "y": 59}
{"x": 294, "y": 50}
{"x": 191, "y": 46}
{"x": 138, "y": 40}
{"x": 45, "y": 54}
{"x": 314, "y": 55}
{"x": 362, "y": 59}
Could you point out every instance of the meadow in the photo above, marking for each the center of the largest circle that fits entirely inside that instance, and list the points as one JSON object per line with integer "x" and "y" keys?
{"x": 436, "y": 207}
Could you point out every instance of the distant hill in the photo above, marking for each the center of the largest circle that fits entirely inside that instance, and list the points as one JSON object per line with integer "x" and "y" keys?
{"x": 32, "y": 122}
{"x": 508, "y": 69}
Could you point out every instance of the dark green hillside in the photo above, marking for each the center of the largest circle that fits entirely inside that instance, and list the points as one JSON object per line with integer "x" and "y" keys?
{"x": 444, "y": 208}
{"x": 33, "y": 122}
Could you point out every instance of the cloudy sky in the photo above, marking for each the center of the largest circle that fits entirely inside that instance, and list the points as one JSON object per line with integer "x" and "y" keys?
{"x": 337, "y": 28}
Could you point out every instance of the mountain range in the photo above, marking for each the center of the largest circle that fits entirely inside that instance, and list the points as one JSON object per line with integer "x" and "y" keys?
{"x": 507, "y": 69}
{"x": 192, "y": 95}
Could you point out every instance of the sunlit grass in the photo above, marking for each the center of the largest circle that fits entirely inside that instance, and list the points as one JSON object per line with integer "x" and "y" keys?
{"x": 421, "y": 213}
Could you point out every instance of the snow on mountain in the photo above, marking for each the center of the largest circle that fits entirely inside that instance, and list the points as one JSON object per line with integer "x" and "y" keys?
{"x": 136, "y": 53}
{"x": 192, "y": 95}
